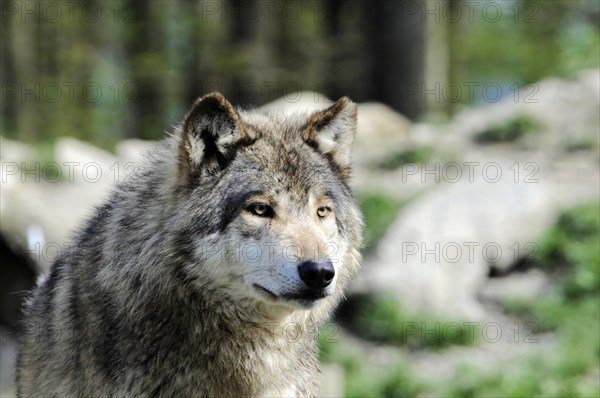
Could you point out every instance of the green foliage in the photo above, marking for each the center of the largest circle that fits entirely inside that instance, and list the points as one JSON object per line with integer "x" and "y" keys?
{"x": 571, "y": 247}
{"x": 581, "y": 222}
{"x": 379, "y": 212}
{"x": 538, "y": 39}
{"x": 327, "y": 342}
{"x": 532, "y": 378}
{"x": 397, "y": 383}
{"x": 134, "y": 72}
{"x": 508, "y": 131}
{"x": 581, "y": 144}
{"x": 558, "y": 373}
{"x": 382, "y": 319}
{"x": 420, "y": 154}
{"x": 362, "y": 381}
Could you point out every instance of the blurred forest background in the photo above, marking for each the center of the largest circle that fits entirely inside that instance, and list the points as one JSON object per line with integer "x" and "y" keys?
{"x": 478, "y": 126}
{"x": 104, "y": 71}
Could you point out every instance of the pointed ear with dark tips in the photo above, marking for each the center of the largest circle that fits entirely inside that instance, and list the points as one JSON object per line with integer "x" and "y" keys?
{"x": 332, "y": 131}
{"x": 210, "y": 134}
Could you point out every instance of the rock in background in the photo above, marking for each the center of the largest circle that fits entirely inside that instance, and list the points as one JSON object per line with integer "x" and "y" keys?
{"x": 482, "y": 206}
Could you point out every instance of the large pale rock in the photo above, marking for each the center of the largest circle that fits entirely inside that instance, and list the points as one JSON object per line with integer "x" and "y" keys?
{"x": 14, "y": 151}
{"x": 302, "y": 101}
{"x": 381, "y": 132}
{"x": 85, "y": 163}
{"x": 517, "y": 286}
{"x": 567, "y": 111}
{"x": 133, "y": 150}
{"x": 39, "y": 212}
{"x": 437, "y": 254}
{"x": 331, "y": 380}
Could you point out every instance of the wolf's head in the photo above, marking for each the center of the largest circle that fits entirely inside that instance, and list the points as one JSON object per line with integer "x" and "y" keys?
{"x": 265, "y": 202}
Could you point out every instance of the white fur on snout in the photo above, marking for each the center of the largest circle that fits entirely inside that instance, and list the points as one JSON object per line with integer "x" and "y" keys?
{"x": 273, "y": 270}
{"x": 277, "y": 268}
{"x": 273, "y": 265}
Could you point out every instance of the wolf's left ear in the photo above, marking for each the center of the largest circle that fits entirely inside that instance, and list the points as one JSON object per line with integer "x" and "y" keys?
{"x": 210, "y": 134}
{"x": 332, "y": 131}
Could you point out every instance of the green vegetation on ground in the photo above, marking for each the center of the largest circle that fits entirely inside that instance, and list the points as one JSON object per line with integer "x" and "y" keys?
{"x": 580, "y": 144}
{"x": 510, "y": 130}
{"x": 569, "y": 252}
{"x": 379, "y": 212}
{"x": 419, "y": 154}
{"x": 383, "y": 319}
{"x": 362, "y": 381}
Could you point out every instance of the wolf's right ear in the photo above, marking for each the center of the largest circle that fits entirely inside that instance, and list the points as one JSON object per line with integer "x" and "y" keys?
{"x": 210, "y": 134}
{"x": 332, "y": 131}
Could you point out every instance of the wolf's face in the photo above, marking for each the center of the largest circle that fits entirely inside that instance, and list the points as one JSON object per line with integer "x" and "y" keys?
{"x": 268, "y": 208}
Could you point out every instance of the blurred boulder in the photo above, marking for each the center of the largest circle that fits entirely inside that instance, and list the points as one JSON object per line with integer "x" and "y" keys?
{"x": 523, "y": 285}
{"x": 330, "y": 380}
{"x": 437, "y": 255}
{"x": 302, "y": 101}
{"x": 133, "y": 150}
{"x": 486, "y": 206}
{"x": 565, "y": 110}
{"x": 58, "y": 202}
{"x": 89, "y": 164}
{"x": 14, "y": 151}
{"x": 381, "y": 131}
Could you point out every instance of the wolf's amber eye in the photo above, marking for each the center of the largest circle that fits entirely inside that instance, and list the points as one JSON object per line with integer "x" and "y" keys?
{"x": 261, "y": 210}
{"x": 323, "y": 212}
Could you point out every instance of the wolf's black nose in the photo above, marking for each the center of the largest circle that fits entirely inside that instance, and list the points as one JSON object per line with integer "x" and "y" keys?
{"x": 316, "y": 275}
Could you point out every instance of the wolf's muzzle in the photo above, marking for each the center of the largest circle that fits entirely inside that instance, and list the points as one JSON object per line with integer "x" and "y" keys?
{"x": 316, "y": 275}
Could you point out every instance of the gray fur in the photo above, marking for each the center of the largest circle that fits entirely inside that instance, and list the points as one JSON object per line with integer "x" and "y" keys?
{"x": 158, "y": 297}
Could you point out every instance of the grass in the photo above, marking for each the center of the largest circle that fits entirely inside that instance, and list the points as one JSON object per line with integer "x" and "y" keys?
{"x": 569, "y": 251}
{"x": 534, "y": 377}
{"x": 419, "y": 154}
{"x": 572, "y": 247}
{"x": 581, "y": 144}
{"x": 510, "y": 130}
{"x": 379, "y": 212}
{"x": 396, "y": 383}
{"x": 382, "y": 319}
{"x": 363, "y": 381}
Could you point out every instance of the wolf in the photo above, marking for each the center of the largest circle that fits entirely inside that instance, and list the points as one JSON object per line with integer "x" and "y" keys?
{"x": 209, "y": 272}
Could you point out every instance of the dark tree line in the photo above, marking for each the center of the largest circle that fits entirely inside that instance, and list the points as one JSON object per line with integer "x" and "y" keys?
{"x": 151, "y": 59}
{"x": 107, "y": 70}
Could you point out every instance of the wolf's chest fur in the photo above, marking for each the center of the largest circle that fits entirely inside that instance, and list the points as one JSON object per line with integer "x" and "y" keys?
{"x": 255, "y": 363}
